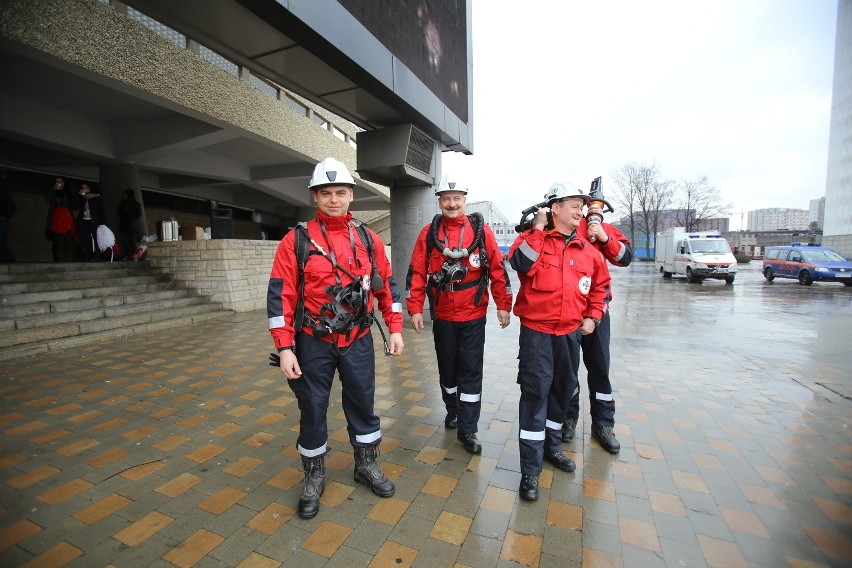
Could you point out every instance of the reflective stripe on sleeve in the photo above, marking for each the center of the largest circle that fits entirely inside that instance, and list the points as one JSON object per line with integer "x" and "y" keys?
{"x": 535, "y": 436}
{"x": 603, "y": 396}
{"x": 621, "y": 252}
{"x": 528, "y": 251}
{"x": 276, "y": 322}
{"x": 396, "y": 308}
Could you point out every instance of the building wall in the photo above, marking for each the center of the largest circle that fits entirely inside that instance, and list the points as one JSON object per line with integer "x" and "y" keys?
{"x": 231, "y": 271}
{"x": 838, "y": 186}
{"x": 775, "y": 218}
{"x": 816, "y": 212}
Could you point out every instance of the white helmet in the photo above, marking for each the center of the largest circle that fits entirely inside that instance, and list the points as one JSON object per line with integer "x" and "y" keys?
{"x": 561, "y": 190}
{"x": 448, "y": 184}
{"x": 330, "y": 172}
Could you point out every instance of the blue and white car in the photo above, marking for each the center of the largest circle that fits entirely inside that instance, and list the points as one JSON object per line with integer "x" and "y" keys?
{"x": 807, "y": 263}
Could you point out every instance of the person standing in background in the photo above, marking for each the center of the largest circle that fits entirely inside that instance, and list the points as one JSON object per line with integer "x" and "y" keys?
{"x": 59, "y": 225}
{"x": 89, "y": 217}
{"x": 7, "y": 211}
{"x": 129, "y": 212}
{"x": 617, "y": 249}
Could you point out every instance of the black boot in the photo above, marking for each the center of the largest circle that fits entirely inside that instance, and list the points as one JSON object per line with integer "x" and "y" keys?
{"x": 368, "y": 472}
{"x": 528, "y": 490}
{"x": 309, "y": 502}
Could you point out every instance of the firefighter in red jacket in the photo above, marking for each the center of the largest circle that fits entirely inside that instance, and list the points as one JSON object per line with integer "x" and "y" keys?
{"x": 562, "y": 297}
{"x": 453, "y": 260}
{"x": 618, "y": 251}
{"x": 340, "y": 286}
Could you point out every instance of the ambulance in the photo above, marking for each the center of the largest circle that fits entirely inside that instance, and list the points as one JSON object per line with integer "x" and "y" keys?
{"x": 696, "y": 255}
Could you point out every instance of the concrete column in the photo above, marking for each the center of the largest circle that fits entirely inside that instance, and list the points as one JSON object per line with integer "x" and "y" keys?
{"x": 411, "y": 209}
{"x": 114, "y": 179}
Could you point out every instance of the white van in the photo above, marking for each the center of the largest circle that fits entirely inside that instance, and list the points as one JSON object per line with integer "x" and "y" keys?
{"x": 696, "y": 255}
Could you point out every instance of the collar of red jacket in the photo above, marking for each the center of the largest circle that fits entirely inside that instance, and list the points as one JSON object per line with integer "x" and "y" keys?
{"x": 332, "y": 223}
{"x": 457, "y": 222}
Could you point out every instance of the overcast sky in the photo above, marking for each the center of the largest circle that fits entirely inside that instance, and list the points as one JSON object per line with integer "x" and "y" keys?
{"x": 568, "y": 90}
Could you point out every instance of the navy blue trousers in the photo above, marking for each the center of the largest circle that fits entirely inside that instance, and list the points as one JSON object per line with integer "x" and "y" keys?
{"x": 595, "y": 348}
{"x": 547, "y": 373}
{"x": 319, "y": 360}
{"x": 460, "y": 347}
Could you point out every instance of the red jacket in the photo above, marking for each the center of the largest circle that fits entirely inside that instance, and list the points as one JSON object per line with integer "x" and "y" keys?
{"x": 457, "y": 305}
{"x": 560, "y": 283}
{"x": 283, "y": 292}
{"x": 617, "y": 250}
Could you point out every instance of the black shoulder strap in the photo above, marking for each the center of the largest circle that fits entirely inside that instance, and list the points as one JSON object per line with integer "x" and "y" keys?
{"x": 477, "y": 221}
{"x": 303, "y": 248}
{"x": 432, "y": 241}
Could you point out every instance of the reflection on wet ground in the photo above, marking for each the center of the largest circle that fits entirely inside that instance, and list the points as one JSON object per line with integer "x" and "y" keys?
{"x": 179, "y": 450}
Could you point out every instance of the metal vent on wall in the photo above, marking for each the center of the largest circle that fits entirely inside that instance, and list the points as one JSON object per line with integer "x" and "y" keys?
{"x": 399, "y": 156}
{"x": 420, "y": 148}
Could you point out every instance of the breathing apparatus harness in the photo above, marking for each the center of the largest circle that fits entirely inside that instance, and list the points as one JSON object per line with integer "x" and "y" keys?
{"x": 449, "y": 277}
{"x": 347, "y": 307}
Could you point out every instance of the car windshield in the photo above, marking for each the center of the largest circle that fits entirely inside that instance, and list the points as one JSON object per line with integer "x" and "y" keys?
{"x": 822, "y": 256}
{"x": 709, "y": 246}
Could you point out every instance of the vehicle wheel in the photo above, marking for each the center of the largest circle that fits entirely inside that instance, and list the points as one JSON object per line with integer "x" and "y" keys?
{"x": 729, "y": 279}
{"x": 690, "y": 277}
{"x": 805, "y": 278}
{"x": 847, "y": 283}
{"x": 767, "y": 273}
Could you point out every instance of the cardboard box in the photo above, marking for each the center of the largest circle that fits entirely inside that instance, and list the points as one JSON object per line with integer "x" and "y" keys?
{"x": 192, "y": 233}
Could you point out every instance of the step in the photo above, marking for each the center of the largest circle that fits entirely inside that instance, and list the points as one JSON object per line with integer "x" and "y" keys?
{"x": 74, "y": 328}
{"x": 58, "y": 297}
{"x": 77, "y": 304}
{"x": 116, "y": 279}
{"x": 53, "y": 318}
{"x": 94, "y": 271}
{"x": 143, "y": 332}
{"x": 15, "y": 270}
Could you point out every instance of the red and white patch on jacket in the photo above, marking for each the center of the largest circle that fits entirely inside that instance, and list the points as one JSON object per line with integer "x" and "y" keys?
{"x": 585, "y": 284}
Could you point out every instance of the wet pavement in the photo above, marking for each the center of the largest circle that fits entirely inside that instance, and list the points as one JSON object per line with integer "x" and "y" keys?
{"x": 732, "y": 413}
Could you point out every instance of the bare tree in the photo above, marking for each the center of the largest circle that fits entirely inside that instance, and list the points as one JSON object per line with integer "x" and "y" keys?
{"x": 697, "y": 202}
{"x": 645, "y": 196}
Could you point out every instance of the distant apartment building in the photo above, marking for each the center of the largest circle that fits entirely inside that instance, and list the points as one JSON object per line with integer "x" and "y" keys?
{"x": 777, "y": 218}
{"x": 816, "y": 212}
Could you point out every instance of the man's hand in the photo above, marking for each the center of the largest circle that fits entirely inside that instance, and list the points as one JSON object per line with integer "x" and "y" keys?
{"x": 540, "y": 220}
{"x": 597, "y": 233}
{"x": 503, "y": 316}
{"x": 396, "y": 343}
{"x": 290, "y": 365}
{"x": 588, "y": 326}
{"x": 417, "y": 322}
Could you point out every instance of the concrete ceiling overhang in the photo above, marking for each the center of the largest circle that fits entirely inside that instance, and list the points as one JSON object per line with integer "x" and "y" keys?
{"x": 59, "y": 117}
{"x": 320, "y": 51}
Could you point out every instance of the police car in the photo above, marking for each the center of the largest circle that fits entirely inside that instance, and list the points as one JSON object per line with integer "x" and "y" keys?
{"x": 806, "y": 262}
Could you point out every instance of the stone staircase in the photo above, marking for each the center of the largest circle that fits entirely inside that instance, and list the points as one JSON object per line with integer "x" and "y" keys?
{"x": 52, "y": 306}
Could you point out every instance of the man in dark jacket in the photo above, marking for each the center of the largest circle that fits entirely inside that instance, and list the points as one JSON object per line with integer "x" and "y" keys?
{"x": 90, "y": 215}
{"x": 129, "y": 211}
{"x": 7, "y": 211}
